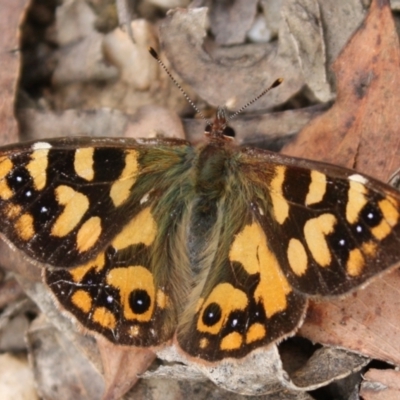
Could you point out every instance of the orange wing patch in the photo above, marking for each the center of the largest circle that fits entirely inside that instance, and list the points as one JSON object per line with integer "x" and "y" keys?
{"x": 251, "y": 250}
{"x": 120, "y": 190}
{"x": 75, "y": 206}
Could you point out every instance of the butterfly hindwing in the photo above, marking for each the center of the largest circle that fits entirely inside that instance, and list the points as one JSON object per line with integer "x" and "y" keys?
{"x": 241, "y": 300}
{"x": 244, "y": 301}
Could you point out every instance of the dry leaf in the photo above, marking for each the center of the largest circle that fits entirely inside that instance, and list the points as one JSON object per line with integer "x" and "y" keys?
{"x": 10, "y": 17}
{"x": 154, "y": 121}
{"x": 61, "y": 370}
{"x": 365, "y": 113}
{"x": 240, "y": 72}
{"x": 13, "y": 371}
{"x": 303, "y": 21}
{"x": 366, "y": 322}
{"x": 381, "y": 385}
{"x": 230, "y": 21}
{"x": 122, "y": 366}
{"x": 136, "y": 66}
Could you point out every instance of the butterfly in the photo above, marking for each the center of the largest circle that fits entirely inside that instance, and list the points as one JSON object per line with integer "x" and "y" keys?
{"x": 215, "y": 246}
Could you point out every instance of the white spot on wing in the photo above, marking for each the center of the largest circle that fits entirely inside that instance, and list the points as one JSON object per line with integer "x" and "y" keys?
{"x": 358, "y": 178}
{"x": 41, "y": 146}
{"x": 145, "y": 198}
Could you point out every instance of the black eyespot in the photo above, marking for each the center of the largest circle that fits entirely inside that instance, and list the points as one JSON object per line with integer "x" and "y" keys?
{"x": 19, "y": 178}
{"x": 140, "y": 301}
{"x": 236, "y": 321}
{"x": 212, "y": 314}
{"x": 371, "y": 215}
{"x": 341, "y": 242}
{"x": 43, "y": 209}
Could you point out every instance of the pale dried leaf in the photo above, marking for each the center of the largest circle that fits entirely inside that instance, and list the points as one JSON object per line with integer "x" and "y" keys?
{"x": 303, "y": 19}
{"x": 230, "y": 21}
{"x": 13, "y": 371}
{"x": 61, "y": 370}
{"x": 10, "y": 16}
{"x": 122, "y": 366}
{"x": 240, "y": 72}
{"x": 367, "y": 322}
{"x": 136, "y": 66}
{"x": 366, "y": 110}
{"x": 381, "y": 385}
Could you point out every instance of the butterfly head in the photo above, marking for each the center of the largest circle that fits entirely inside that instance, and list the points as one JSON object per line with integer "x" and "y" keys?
{"x": 219, "y": 129}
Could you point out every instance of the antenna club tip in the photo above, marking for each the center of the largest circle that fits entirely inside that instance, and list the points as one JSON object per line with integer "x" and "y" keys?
{"x": 277, "y": 83}
{"x": 153, "y": 52}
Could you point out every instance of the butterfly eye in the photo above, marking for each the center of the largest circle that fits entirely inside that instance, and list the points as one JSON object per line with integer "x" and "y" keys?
{"x": 212, "y": 314}
{"x": 139, "y": 301}
{"x": 228, "y": 131}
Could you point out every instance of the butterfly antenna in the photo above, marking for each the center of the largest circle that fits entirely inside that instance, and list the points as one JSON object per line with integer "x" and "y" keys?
{"x": 185, "y": 95}
{"x": 274, "y": 85}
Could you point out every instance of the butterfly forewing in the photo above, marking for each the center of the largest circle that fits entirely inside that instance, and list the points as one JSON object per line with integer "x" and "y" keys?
{"x": 332, "y": 229}
{"x": 62, "y": 201}
{"x": 103, "y": 209}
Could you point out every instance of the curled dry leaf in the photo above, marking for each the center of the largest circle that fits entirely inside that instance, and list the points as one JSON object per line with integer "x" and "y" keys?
{"x": 366, "y": 322}
{"x": 339, "y": 19}
{"x": 44, "y": 124}
{"x": 136, "y": 66}
{"x": 304, "y": 25}
{"x": 381, "y": 385}
{"x": 230, "y": 21}
{"x": 319, "y": 31}
{"x": 61, "y": 370}
{"x": 365, "y": 113}
{"x": 13, "y": 371}
{"x": 154, "y": 121}
{"x": 262, "y": 372}
{"x": 242, "y": 72}
{"x": 118, "y": 377}
{"x": 64, "y": 324}
{"x": 155, "y": 389}
{"x": 10, "y": 17}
